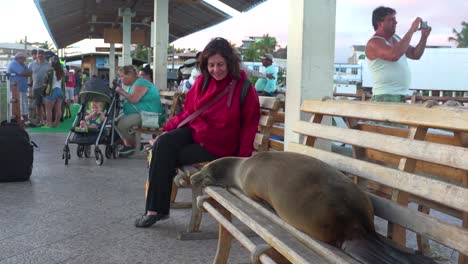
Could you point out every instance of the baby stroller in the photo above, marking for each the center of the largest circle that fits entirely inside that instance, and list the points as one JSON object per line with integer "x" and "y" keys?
{"x": 94, "y": 90}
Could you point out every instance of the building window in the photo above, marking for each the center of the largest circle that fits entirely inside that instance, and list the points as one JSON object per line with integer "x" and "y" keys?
{"x": 343, "y": 70}
{"x": 354, "y": 71}
{"x": 256, "y": 68}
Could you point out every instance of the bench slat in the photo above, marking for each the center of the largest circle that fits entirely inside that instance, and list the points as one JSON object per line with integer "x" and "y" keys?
{"x": 452, "y": 156}
{"x": 277, "y": 237}
{"x": 276, "y": 145}
{"x": 265, "y": 121}
{"x": 444, "y": 193}
{"x": 328, "y": 252}
{"x": 268, "y": 102}
{"x": 409, "y": 114}
{"x": 167, "y": 93}
{"x": 165, "y": 101}
{"x": 452, "y": 236}
{"x": 241, "y": 237}
{"x": 277, "y": 131}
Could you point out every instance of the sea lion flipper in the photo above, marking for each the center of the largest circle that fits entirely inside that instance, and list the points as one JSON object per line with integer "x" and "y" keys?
{"x": 201, "y": 179}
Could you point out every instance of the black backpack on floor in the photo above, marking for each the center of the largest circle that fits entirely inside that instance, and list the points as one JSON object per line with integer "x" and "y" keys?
{"x": 16, "y": 153}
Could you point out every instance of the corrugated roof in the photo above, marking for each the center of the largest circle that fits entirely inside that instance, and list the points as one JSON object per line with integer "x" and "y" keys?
{"x": 69, "y": 21}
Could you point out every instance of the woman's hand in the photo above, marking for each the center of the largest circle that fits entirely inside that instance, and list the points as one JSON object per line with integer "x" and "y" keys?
{"x": 118, "y": 89}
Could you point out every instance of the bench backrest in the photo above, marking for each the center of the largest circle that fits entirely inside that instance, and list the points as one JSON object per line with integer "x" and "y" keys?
{"x": 172, "y": 102}
{"x": 419, "y": 154}
{"x": 268, "y": 109}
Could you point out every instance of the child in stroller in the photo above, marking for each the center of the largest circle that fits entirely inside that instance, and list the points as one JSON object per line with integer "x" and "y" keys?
{"x": 94, "y": 122}
{"x": 95, "y": 118}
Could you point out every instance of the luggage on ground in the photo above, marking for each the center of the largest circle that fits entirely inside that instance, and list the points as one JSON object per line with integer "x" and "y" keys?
{"x": 16, "y": 153}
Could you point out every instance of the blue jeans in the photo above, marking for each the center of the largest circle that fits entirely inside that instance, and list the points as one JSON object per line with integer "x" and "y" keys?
{"x": 56, "y": 94}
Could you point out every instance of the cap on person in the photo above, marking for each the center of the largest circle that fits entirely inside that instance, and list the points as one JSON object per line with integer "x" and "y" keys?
{"x": 267, "y": 56}
{"x": 21, "y": 55}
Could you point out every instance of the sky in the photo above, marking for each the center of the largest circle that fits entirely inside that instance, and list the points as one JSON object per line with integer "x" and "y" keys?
{"x": 353, "y": 23}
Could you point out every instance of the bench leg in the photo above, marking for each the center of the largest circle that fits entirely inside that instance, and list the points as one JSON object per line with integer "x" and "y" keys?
{"x": 224, "y": 240}
{"x": 174, "y": 193}
{"x": 193, "y": 229}
{"x": 396, "y": 232}
{"x": 137, "y": 142}
{"x": 196, "y": 217}
{"x": 178, "y": 205}
{"x": 423, "y": 242}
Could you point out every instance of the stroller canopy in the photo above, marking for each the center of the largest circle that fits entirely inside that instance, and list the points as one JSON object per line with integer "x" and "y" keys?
{"x": 95, "y": 89}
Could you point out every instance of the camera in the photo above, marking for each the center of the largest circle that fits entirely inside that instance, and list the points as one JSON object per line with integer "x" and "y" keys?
{"x": 423, "y": 25}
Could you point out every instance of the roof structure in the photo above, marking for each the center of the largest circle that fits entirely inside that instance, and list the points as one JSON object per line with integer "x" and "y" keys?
{"x": 69, "y": 21}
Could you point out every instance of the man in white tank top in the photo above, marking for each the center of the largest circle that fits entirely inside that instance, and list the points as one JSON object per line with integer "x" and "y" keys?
{"x": 386, "y": 55}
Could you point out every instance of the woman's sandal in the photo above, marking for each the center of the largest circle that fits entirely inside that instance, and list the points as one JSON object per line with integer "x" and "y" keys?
{"x": 149, "y": 220}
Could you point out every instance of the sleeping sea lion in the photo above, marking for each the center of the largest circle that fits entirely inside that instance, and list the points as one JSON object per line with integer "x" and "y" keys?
{"x": 312, "y": 196}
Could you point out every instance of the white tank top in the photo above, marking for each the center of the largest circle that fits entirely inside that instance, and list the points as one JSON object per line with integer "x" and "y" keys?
{"x": 57, "y": 83}
{"x": 390, "y": 77}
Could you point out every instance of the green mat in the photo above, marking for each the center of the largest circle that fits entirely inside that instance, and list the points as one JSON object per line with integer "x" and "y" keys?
{"x": 63, "y": 127}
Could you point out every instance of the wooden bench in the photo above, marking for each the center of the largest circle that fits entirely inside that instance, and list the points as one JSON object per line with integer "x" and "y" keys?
{"x": 405, "y": 178}
{"x": 276, "y": 142}
{"x": 268, "y": 107}
{"x": 172, "y": 102}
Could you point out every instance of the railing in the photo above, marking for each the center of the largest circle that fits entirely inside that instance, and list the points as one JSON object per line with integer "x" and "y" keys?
{"x": 413, "y": 98}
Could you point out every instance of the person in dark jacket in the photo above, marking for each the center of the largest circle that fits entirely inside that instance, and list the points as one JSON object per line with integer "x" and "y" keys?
{"x": 227, "y": 127}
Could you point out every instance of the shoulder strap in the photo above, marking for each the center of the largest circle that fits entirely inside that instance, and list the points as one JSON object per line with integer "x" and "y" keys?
{"x": 245, "y": 90}
{"x": 230, "y": 87}
{"x": 206, "y": 81}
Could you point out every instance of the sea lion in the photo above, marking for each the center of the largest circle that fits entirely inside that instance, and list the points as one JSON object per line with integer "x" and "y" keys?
{"x": 310, "y": 195}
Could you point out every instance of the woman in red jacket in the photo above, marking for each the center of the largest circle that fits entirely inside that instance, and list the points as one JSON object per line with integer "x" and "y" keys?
{"x": 218, "y": 121}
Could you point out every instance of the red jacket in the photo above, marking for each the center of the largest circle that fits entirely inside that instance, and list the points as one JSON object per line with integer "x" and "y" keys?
{"x": 221, "y": 129}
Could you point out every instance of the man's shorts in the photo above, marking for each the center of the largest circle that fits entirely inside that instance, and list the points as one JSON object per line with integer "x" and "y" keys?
{"x": 76, "y": 90}
{"x": 69, "y": 92}
{"x": 24, "y": 106}
{"x": 38, "y": 99}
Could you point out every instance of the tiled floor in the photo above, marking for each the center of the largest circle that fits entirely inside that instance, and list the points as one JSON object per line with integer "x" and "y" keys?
{"x": 84, "y": 213}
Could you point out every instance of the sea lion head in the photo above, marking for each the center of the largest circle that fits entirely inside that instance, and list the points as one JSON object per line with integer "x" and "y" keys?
{"x": 219, "y": 172}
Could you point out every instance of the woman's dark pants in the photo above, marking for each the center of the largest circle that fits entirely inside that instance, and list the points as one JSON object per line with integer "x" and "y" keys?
{"x": 172, "y": 149}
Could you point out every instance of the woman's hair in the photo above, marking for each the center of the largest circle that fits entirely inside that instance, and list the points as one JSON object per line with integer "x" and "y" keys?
{"x": 57, "y": 66}
{"x": 129, "y": 70}
{"x": 223, "y": 48}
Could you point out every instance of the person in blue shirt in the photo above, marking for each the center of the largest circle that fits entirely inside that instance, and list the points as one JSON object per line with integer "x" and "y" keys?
{"x": 141, "y": 95}
{"x": 267, "y": 86}
{"x": 19, "y": 74}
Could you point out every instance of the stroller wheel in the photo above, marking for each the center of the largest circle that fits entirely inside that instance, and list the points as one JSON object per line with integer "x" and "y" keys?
{"x": 99, "y": 156}
{"x": 108, "y": 151}
{"x": 115, "y": 151}
{"x": 80, "y": 151}
{"x": 87, "y": 151}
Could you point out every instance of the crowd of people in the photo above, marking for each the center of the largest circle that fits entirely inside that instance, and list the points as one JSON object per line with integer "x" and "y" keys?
{"x": 50, "y": 84}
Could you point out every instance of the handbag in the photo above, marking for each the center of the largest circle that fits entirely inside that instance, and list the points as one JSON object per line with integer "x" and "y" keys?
{"x": 148, "y": 119}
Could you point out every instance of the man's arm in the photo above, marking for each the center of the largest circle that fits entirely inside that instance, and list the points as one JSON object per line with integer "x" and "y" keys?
{"x": 250, "y": 72}
{"x": 378, "y": 49}
{"x": 415, "y": 53}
